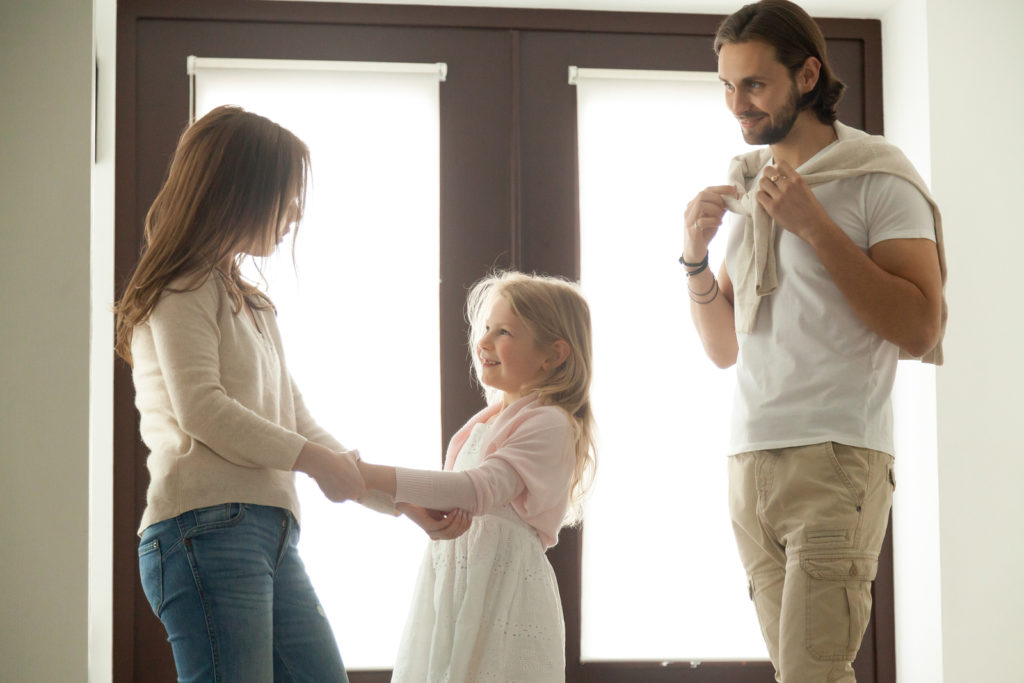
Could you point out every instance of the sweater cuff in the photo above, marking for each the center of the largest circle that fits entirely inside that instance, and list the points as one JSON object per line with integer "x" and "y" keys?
{"x": 378, "y": 501}
{"x": 413, "y": 486}
{"x": 435, "y": 490}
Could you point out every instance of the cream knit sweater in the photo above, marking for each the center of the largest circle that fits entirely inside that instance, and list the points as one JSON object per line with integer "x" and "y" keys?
{"x": 219, "y": 412}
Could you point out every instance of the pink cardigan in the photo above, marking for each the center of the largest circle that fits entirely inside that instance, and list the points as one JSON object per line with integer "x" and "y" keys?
{"x": 527, "y": 460}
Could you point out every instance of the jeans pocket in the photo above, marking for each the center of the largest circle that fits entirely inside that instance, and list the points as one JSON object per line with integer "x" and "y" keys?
{"x": 838, "y": 603}
{"x": 215, "y": 517}
{"x": 151, "y": 570}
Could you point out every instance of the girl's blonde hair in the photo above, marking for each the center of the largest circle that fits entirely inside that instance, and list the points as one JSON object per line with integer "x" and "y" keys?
{"x": 235, "y": 178}
{"x": 553, "y": 309}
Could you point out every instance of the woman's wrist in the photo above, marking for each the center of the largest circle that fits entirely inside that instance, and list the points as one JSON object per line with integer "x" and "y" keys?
{"x": 309, "y": 459}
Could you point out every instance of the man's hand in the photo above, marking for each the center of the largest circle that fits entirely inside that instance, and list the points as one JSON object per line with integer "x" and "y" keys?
{"x": 335, "y": 473}
{"x": 703, "y": 218}
{"x": 440, "y": 526}
{"x": 789, "y": 200}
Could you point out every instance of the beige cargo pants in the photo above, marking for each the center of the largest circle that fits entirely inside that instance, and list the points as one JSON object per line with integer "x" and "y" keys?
{"x": 809, "y": 524}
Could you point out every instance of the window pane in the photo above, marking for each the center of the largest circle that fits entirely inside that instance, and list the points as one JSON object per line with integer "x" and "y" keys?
{"x": 661, "y": 577}
{"x": 359, "y": 317}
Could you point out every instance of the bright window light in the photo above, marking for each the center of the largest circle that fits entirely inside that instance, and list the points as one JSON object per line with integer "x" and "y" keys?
{"x": 359, "y": 315}
{"x": 661, "y": 576}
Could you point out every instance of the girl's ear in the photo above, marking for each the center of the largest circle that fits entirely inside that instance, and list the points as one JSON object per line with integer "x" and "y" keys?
{"x": 558, "y": 354}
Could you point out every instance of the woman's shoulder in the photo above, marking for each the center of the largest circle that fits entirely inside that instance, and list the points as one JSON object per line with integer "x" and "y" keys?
{"x": 191, "y": 292}
{"x": 196, "y": 281}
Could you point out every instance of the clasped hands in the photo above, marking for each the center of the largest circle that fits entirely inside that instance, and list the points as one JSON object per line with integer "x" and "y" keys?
{"x": 440, "y": 526}
{"x": 337, "y": 474}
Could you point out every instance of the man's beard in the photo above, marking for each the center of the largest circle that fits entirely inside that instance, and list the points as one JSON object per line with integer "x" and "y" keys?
{"x": 780, "y": 123}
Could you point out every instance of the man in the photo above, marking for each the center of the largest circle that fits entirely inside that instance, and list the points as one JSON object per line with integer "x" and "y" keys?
{"x": 833, "y": 270}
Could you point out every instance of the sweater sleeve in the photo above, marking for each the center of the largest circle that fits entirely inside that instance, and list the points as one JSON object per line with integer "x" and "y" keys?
{"x": 309, "y": 427}
{"x": 493, "y": 484}
{"x": 186, "y": 337}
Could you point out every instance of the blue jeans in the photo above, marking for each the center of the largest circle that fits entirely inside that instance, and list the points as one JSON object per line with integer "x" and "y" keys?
{"x": 229, "y": 587}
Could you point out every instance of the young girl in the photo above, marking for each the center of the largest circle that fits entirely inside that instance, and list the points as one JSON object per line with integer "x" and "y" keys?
{"x": 486, "y": 605}
{"x": 224, "y": 422}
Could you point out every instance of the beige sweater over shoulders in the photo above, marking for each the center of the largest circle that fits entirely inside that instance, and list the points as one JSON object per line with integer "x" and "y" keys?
{"x": 219, "y": 412}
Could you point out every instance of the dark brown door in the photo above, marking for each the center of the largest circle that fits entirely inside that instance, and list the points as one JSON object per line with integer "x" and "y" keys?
{"x": 509, "y": 197}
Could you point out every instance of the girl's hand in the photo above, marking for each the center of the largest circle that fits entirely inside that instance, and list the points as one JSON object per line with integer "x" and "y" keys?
{"x": 440, "y": 526}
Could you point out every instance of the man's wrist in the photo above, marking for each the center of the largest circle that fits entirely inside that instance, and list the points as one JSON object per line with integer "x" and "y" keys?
{"x": 693, "y": 257}
{"x": 693, "y": 267}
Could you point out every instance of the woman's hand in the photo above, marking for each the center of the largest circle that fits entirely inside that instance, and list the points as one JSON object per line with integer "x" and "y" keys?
{"x": 336, "y": 474}
{"x": 440, "y": 526}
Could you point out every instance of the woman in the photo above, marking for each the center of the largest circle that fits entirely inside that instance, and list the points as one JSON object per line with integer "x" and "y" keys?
{"x": 224, "y": 422}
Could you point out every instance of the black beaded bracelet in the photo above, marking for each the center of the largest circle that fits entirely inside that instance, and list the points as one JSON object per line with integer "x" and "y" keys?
{"x": 714, "y": 283}
{"x": 714, "y": 287}
{"x": 700, "y": 266}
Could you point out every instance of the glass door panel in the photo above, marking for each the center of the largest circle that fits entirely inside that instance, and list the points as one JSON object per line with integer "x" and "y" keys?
{"x": 358, "y": 311}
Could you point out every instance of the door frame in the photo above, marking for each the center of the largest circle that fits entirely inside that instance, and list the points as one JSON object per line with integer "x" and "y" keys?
{"x": 537, "y": 190}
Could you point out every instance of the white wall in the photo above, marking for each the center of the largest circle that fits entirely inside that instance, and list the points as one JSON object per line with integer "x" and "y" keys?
{"x": 101, "y": 361}
{"x": 975, "y": 102}
{"x": 45, "y": 115}
{"x": 915, "y": 505}
{"x": 950, "y": 98}
{"x": 960, "y": 113}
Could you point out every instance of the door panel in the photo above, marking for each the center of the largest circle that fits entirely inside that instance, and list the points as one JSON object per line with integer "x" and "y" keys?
{"x": 509, "y": 197}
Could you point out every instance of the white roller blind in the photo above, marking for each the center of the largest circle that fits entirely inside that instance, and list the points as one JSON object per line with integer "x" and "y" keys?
{"x": 360, "y": 321}
{"x": 661, "y": 577}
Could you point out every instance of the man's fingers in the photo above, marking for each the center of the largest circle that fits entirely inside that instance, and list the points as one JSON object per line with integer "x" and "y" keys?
{"x": 724, "y": 190}
{"x": 787, "y": 170}
{"x": 713, "y": 195}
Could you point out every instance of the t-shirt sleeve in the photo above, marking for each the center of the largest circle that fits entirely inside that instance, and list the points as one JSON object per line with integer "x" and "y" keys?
{"x": 895, "y": 209}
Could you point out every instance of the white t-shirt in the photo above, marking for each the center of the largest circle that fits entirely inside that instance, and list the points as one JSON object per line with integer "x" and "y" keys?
{"x": 811, "y": 371}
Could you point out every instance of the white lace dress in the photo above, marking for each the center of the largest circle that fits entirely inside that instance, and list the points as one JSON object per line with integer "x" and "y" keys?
{"x": 486, "y": 604}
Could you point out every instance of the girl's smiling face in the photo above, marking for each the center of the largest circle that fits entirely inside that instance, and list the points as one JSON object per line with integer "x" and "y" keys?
{"x": 510, "y": 358}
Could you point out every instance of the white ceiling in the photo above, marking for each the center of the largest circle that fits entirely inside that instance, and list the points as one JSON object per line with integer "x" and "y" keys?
{"x": 859, "y": 9}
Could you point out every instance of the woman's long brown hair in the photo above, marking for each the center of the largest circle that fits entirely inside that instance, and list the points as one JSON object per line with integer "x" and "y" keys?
{"x": 235, "y": 180}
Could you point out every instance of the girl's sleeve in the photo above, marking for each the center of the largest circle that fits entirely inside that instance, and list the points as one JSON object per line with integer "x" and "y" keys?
{"x": 534, "y": 460}
{"x": 539, "y": 451}
{"x": 186, "y": 338}
{"x": 491, "y": 485}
